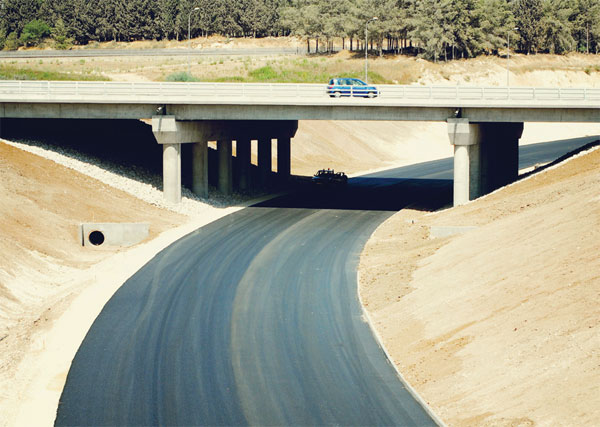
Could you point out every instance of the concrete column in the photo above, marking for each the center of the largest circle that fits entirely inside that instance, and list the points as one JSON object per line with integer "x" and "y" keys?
{"x": 466, "y": 138}
{"x": 244, "y": 161}
{"x": 486, "y": 157}
{"x": 284, "y": 157}
{"x": 499, "y": 154}
{"x": 0, "y": 128}
{"x": 171, "y": 133}
{"x": 264, "y": 160}
{"x": 200, "y": 169}
{"x": 172, "y": 172}
{"x": 225, "y": 184}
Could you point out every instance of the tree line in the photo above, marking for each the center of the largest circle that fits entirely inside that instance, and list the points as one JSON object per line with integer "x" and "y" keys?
{"x": 435, "y": 29}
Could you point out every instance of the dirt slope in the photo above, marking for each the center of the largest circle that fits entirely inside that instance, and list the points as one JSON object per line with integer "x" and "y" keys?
{"x": 500, "y": 325}
{"x": 42, "y": 205}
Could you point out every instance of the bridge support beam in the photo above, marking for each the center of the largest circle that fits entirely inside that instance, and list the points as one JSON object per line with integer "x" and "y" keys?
{"x": 200, "y": 169}
{"x": 172, "y": 172}
{"x": 499, "y": 154}
{"x": 225, "y": 183}
{"x": 265, "y": 164}
{"x": 171, "y": 133}
{"x": 284, "y": 159}
{"x": 485, "y": 157}
{"x": 244, "y": 159}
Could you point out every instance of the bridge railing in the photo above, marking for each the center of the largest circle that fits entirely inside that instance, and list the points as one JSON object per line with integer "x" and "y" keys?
{"x": 51, "y": 90}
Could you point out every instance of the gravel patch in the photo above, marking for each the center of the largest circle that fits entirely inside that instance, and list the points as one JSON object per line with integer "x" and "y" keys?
{"x": 135, "y": 181}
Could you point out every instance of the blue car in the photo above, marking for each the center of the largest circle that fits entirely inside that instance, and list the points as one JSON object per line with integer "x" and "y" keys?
{"x": 350, "y": 87}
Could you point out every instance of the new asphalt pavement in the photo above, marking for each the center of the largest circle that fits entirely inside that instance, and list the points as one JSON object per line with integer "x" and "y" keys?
{"x": 254, "y": 319}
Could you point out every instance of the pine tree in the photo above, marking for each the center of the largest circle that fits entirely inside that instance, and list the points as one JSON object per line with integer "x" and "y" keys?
{"x": 529, "y": 14}
{"x": 557, "y": 26}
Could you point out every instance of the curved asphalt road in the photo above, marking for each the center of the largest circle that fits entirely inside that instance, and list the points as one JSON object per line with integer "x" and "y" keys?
{"x": 254, "y": 319}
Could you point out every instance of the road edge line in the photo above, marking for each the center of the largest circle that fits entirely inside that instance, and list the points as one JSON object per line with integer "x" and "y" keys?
{"x": 391, "y": 360}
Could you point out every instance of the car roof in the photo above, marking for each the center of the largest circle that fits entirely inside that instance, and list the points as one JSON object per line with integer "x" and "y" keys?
{"x": 344, "y": 80}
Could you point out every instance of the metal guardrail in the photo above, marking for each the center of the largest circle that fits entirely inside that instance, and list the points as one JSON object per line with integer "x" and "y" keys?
{"x": 49, "y": 90}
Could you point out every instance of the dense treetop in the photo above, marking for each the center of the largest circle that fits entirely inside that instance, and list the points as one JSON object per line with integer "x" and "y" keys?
{"x": 436, "y": 29}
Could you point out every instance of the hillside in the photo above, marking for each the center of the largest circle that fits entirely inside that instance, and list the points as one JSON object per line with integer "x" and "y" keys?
{"x": 499, "y": 325}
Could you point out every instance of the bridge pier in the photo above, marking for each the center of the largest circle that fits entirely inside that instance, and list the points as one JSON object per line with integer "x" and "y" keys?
{"x": 485, "y": 157}
{"x": 200, "y": 169}
{"x": 284, "y": 156}
{"x": 244, "y": 160}
{"x": 172, "y": 172}
{"x": 171, "y": 133}
{"x": 265, "y": 163}
{"x": 224, "y": 150}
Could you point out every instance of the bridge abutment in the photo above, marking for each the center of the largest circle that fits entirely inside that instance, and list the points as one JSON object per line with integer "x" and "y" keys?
{"x": 485, "y": 157}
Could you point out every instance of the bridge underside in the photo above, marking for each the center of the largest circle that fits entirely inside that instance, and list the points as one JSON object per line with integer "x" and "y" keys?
{"x": 172, "y": 133}
{"x": 485, "y": 154}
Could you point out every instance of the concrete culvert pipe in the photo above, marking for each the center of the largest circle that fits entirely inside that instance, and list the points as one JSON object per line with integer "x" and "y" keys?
{"x": 96, "y": 238}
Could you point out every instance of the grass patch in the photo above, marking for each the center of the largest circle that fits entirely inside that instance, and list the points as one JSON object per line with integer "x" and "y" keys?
{"x": 305, "y": 72}
{"x": 230, "y": 79}
{"x": 264, "y": 74}
{"x": 181, "y": 76}
{"x": 15, "y": 73}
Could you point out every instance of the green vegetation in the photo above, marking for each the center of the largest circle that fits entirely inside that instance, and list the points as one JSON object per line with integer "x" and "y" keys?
{"x": 434, "y": 29}
{"x": 286, "y": 71}
{"x": 34, "y": 32}
{"x": 181, "y": 77}
{"x": 15, "y": 73}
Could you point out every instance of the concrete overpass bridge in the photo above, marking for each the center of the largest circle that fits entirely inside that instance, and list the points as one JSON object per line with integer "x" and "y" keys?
{"x": 484, "y": 123}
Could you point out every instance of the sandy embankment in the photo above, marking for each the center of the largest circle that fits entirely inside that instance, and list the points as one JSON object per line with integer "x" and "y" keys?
{"x": 43, "y": 269}
{"x": 51, "y": 288}
{"x": 500, "y": 325}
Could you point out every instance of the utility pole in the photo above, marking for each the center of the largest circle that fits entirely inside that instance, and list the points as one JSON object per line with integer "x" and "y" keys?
{"x": 367, "y": 48}
{"x": 189, "y": 38}
{"x": 508, "y": 58}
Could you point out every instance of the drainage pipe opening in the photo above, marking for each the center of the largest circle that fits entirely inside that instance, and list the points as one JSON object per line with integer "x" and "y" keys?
{"x": 96, "y": 238}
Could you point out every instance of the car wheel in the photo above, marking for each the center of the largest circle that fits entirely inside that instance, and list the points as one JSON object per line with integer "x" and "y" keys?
{"x": 337, "y": 94}
{"x": 372, "y": 95}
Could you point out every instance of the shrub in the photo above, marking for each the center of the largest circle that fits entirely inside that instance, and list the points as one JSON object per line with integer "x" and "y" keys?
{"x": 12, "y": 42}
{"x": 59, "y": 34}
{"x": 34, "y": 32}
{"x": 264, "y": 74}
{"x": 181, "y": 76}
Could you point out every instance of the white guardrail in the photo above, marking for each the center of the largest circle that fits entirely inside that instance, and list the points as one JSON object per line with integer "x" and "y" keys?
{"x": 50, "y": 90}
